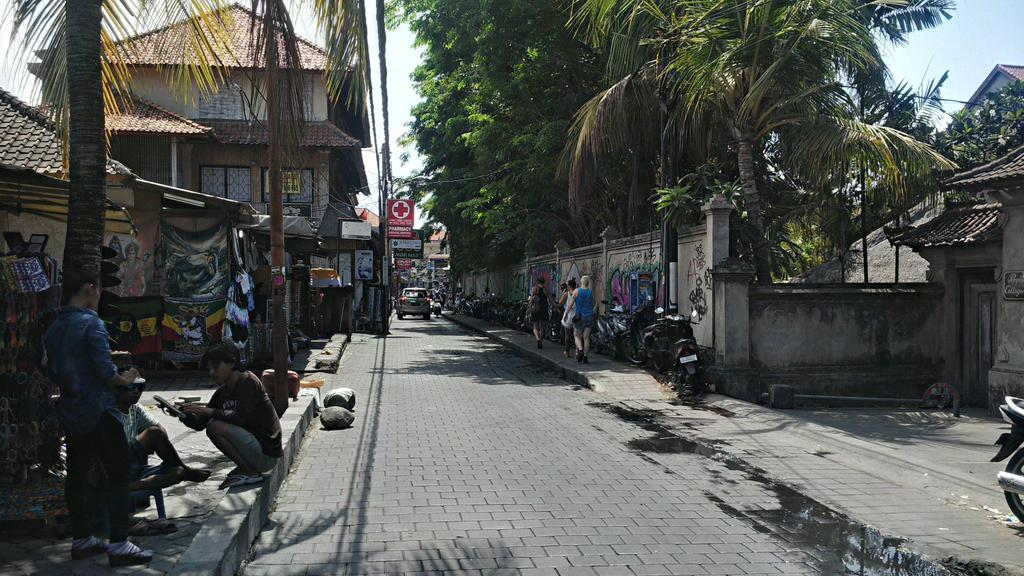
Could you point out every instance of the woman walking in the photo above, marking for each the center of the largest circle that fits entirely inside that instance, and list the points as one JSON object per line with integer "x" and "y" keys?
{"x": 539, "y": 310}
{"x": 568, "y": 304}
{"x": 584, "y": 320}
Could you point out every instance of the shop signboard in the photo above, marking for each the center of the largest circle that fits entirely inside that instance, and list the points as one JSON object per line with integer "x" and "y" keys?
{"x": 410, "y": 249}
{"x": 1013, "y": 285}
{"x": 401, "y": 216}
{"x": 403, "y": 263}
{"x": 355, "y": 230}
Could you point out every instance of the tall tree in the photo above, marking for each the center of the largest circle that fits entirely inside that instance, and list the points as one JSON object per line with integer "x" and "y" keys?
{"x": 753, "y": 76}
{"x": 499, "y": 84}
{"x": 87, "y": 157}
{"x": 76, "y": 43}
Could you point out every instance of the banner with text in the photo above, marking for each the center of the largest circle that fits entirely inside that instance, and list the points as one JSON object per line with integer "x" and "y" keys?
{"x": 401, "y": 218}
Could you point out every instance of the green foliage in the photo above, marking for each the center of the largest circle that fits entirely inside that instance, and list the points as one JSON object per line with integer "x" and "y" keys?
{"x": 499, "y": 81}
{"x": 985, "y": 132}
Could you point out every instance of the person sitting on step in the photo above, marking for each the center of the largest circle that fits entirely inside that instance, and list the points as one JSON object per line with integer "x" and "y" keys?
{"x": 240, "y": 419}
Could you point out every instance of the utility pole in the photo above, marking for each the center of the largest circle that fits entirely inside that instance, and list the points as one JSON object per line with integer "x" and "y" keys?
{"x": 279, "y": 334}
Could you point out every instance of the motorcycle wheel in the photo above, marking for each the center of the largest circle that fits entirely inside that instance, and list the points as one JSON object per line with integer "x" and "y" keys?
{"x": 1016, "y": 466}
{"x": 629, "y": 348}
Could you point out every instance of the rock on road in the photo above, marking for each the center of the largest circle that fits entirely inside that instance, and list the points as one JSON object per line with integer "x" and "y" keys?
{"x": 465, "y": 459}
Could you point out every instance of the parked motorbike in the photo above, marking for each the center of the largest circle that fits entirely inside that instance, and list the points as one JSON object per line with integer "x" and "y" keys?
{"x": 1012, "y": 479}
{"x": 664, "y": 338}
{"x": 689, "y": 380}
{"x": 609, "y": 331}
{"x": 633, "y": 341}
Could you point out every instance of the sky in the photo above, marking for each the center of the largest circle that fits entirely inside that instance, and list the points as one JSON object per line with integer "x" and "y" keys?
{"x": 981, "y": 34}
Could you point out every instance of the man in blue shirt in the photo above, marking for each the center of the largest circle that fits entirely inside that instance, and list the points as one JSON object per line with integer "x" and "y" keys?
{"x": 79, "y": 361}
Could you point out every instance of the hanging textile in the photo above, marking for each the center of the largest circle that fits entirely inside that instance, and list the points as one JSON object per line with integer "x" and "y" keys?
{"x": 197, "y": 263}
{"x": 137, "y": 327}
{"x": 190, "y": 326}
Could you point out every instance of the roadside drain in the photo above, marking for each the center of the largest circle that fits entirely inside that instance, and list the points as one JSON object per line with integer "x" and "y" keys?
{"x": 835, "y": 542}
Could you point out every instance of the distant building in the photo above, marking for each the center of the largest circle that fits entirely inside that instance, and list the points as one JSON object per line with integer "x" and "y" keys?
{"x": 1000, "y": 76}
{"x": 217, "y": 144}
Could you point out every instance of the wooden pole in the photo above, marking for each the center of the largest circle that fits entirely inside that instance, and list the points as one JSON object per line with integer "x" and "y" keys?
{"x": 279, "y": 335}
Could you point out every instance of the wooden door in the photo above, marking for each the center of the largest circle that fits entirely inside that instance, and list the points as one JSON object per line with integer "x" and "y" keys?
{"x": 980, "y": 330}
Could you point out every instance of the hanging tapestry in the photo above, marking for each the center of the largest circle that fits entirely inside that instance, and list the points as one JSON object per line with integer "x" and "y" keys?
{"x": 136, "y": 327}
{"x": 134, "y": 258}
{"x": 196, "y": 258}
{"x": 190, "y": 326}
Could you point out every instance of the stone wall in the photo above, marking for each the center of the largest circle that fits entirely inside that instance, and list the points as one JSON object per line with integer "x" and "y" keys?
{"x": 874, "y": 340}
{"x": 626, "y": 271}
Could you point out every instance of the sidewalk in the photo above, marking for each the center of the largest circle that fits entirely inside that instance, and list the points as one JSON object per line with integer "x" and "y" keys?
{"x": 613, "y": 379}
{"x": 923, "y": 476}
{"x": 215, "y": 527}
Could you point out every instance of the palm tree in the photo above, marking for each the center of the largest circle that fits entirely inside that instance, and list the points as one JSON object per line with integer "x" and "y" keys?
{"x": 76, "y": 43}
{"x": 745, "y": 75}
{"x": 83, "y": 32}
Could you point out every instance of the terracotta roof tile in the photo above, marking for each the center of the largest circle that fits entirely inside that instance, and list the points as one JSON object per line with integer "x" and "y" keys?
{"x": 1015, "y": 71}
{"x": 369, "y": 216}
{"x": 167, "y": 45}
{"x": 28, "y": 140}
{"x": 316, "y": 134}
{"x": 1002, "y": 170}
{"x": 956, "y": 226}
{"x": 142, "y": 116}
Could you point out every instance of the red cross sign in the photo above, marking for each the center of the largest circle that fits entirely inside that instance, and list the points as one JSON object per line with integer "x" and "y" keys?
{"x": 401, "y": 217}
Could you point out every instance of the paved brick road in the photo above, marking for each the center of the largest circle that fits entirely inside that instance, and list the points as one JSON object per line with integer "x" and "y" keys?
{"x": 465, "y": 459}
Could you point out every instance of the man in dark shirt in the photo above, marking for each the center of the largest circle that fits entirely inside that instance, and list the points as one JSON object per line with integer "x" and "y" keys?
{"x": 78, "y": 360}
{"x": 240, "y": 419}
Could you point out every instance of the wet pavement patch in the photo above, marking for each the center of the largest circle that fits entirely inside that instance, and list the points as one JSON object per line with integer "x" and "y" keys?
{"x": 836, "y": 543}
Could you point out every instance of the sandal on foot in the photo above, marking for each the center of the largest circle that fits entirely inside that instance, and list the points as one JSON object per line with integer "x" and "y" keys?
{"x": 127, "y": 554}
{"x": 90, "y": 547}
{"x": 240, "y": 480}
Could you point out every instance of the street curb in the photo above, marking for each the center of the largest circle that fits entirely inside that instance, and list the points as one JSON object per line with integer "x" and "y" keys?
{"x": 574, "y": 376}
{"x": 223, "y": 543}
{"x": 328, "y": 359}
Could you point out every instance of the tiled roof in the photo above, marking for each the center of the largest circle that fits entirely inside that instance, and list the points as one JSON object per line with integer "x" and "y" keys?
{"x": 369, "y": 216}
{"x": 168, "y": 46}
{"x": 28, "y": 140}
{"x": 999, "y": 171}
{"x": 1015, "y": 71}
{"x": 26, "y": 137}
{"x": 315, "y": 135}
{"x": 956, "y": 226}
{"x": 142, "y": 116}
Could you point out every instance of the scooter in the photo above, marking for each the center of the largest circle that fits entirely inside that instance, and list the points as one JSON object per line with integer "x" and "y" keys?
{"x": 663, "y": 339}
{"x": 689, "y": 380}
{"x": 1012, "y": 479}
{"x": 609, "y": 330}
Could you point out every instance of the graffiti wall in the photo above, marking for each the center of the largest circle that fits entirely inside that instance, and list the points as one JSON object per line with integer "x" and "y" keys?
{"x": 631, "y": 275}
{"x": 634, "y": 275}
{"x": 695, "y": 284}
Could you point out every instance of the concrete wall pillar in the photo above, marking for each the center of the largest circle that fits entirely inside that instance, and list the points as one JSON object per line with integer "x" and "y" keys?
{"x": 718, "y": 211}
{"x": 732, "y": 373}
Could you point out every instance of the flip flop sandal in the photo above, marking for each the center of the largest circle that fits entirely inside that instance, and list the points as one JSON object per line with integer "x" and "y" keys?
{"x": 152, "y": 528}
{"x": 240, "y": 480}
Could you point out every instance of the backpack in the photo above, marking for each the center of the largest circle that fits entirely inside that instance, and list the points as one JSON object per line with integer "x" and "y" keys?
{"x": 536, "y": 306}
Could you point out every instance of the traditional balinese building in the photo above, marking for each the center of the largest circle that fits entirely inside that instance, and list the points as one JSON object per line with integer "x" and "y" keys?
{"x": 1001, "y": 76}
{"x": 976, "y": 252}
{"x": 217, "y": 144}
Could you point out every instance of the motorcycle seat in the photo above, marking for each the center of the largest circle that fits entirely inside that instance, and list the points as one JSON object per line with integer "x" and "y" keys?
{"x": 1013, "y": 408}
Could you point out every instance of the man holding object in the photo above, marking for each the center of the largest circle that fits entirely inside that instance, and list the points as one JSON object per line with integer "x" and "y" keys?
{"x": 79, "y": 361}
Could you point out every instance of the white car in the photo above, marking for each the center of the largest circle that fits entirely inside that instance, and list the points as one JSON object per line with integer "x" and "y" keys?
{"x": 414, "y": 302}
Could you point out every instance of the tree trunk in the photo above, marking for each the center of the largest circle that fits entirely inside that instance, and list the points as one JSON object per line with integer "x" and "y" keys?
{"x": 382, "y": 52}
{"x": 279, "y": 334}
{"x": 755, "y": 210}
{"x": 87, "y": 157}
